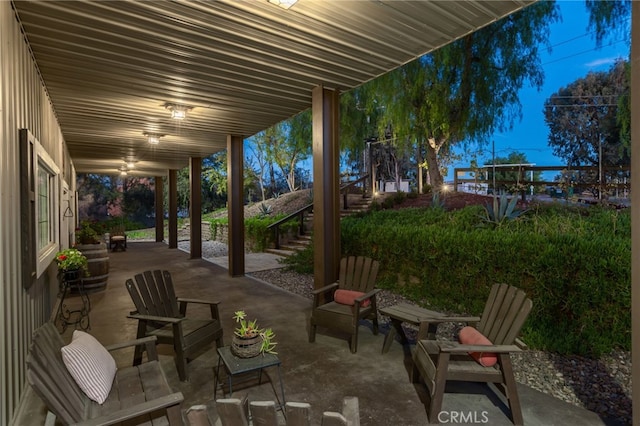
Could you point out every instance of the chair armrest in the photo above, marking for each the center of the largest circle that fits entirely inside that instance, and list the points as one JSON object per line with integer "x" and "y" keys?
{"x": 213, "y": 306}
{"x": 324, "y": 289}
{"x": 200, "y": 301}
{"x": 127, "y": 344}
{"x": 440, "y": 320}
{"x": 453, "y": 347}
{"x": 135, "y": 410}
{"x": 368, "y": 295}
{"x": 168, "y": 320}
{"x": 522, "y": 345}
{"x": 149, "y": 342}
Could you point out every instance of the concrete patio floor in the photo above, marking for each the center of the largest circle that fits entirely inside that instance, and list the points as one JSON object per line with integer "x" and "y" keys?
{"x": 320, "y": 373}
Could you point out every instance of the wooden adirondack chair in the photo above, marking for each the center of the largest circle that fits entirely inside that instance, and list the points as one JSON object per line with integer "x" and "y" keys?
{"x": 437, "y": 362}
{"x": 117, "y": 238}
{"x": 139, "y": 394}
{"x": 160, "y": 313}
{"x": 357, "y": 274}
{"x": 235, "y": 412}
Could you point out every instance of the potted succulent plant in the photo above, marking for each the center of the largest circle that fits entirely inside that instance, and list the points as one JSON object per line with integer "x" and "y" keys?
{"x": 250, "y": 340}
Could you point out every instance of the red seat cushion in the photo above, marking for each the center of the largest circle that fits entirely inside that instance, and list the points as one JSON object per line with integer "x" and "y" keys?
{"x": 347, "y": 297}
{"x": 471, "y": 336}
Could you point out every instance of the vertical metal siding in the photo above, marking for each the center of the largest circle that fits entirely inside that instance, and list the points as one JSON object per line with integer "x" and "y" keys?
{"x": 24, "y": 103}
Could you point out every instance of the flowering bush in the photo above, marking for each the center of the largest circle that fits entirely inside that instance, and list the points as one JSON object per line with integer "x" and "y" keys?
{"x": 249, "y": 329}
{"x": 71, "y": 259}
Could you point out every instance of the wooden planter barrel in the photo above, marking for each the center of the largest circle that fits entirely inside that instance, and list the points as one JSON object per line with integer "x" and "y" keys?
{"x": 98, "y": 266}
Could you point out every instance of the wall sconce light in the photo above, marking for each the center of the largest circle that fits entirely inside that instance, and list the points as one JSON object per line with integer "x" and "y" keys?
{"x": 153, "y": 138}
{"x": 285, "y": 4}
{"x": 178, "y": 112}
{"x": 123, "y": 172}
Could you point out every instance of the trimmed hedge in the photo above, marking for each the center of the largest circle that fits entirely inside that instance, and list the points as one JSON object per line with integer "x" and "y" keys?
{"x": 575, "y": 264}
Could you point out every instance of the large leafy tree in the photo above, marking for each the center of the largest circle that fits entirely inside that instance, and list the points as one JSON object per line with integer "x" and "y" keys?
{"x": 583, "y": 119}
{"x": 608, "y": 16}
{"x": 97, "y": 194}
{"x": 613, "y": 19}
{"x": 297, "y": 146}
{"x": 138, "y": 200}
{"x": 464, "y": 91}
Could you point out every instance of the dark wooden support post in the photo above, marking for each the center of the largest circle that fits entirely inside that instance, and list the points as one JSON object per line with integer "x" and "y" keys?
{"x": 235, "y": 189}
{"x": 159, "y": 199}
{"x": 195, "y": 207}
{"x": 326, "y": 186}
{"x": 173, "y": 209}
{"x": 635, "y": 207}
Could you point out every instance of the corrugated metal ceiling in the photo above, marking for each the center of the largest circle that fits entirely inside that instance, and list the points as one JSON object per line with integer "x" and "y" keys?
{"x": 111, "y": 66}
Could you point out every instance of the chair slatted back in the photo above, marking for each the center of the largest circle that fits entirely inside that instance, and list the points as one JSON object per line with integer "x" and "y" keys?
{"x": 117, "y": 230}
{"x": 358, "y": 273}
{"x": 153, "y": 294}
{"x": 504, "y": 314}
{"x": 50, "y": 378}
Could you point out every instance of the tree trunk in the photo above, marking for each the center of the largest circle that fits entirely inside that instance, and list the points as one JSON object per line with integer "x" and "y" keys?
{"x": 272, "y": 175}
{"x": 434, "y": 169}
{"x": 419, "y": 164}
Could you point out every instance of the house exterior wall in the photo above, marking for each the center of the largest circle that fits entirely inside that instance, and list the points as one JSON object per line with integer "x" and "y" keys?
{"x": 24, "y": 104}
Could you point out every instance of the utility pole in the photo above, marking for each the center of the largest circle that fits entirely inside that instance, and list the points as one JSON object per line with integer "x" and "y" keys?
{"x": 600, "y": 167}
{"x": 493, "y": 161}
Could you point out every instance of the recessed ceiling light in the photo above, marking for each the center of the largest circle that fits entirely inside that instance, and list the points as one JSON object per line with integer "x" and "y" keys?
{"x": 153, "y": 138}
{"x": 178, "y": 112}
{"x": 285, "y": 4}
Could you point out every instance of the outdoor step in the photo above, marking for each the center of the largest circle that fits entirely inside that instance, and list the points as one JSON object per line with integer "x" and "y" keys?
{"x": 280, "y": 252}
{"x": 295, "y": 245}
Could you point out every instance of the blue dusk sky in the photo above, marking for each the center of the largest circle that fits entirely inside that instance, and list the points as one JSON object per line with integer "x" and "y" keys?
{"x": 574, "y": 54}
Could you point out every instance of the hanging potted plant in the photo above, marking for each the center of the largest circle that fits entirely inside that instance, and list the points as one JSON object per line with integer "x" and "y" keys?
{"x": 249, "y": 340}
{"x": 88, "y": 240}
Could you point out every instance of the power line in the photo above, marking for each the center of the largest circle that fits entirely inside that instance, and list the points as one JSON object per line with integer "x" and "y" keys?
{"x": 583, "y": 52}
{"x": 580, "y": 36}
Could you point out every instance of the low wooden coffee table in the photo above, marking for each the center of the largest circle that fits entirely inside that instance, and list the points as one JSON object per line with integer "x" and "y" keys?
{"x": 405, "y": 312}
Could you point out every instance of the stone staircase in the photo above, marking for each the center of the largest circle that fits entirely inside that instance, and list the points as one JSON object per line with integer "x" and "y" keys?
{"x": 355, "y": 203}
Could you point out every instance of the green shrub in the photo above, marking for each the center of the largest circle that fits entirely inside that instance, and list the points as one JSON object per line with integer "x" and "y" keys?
{"x": 301, "y": 261}
{"x": 574, "y": 263}
{"x": 257, "y": 235}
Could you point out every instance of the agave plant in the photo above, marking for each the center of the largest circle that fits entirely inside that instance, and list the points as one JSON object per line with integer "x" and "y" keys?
{"x": 502, "y": 210}
{"x": 265, "y": 210}
{"x": 436, "y": 201}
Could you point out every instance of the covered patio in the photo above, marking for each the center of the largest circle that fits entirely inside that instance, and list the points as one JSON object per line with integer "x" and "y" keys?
{"x": 320, "y": 373}
{"x": 85, "y": 87}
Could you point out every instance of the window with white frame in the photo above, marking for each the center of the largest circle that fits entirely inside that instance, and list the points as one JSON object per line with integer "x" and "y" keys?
{"x": 46, "y": 211}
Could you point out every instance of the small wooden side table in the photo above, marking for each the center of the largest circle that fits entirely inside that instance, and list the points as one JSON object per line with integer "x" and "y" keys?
{"x": 405, "y": 312}
{"x": 235, "y": 366}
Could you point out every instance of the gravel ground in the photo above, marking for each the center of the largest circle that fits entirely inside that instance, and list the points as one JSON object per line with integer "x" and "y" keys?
{"x": 600, "y": 385}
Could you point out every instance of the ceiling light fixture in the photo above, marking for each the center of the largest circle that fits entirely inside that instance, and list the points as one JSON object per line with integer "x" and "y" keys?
{"x": 131, "y": 165}
{"x": 285, "y": 4}
{"x": 178, "y": 112}
{"x": 153, "y": 138}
